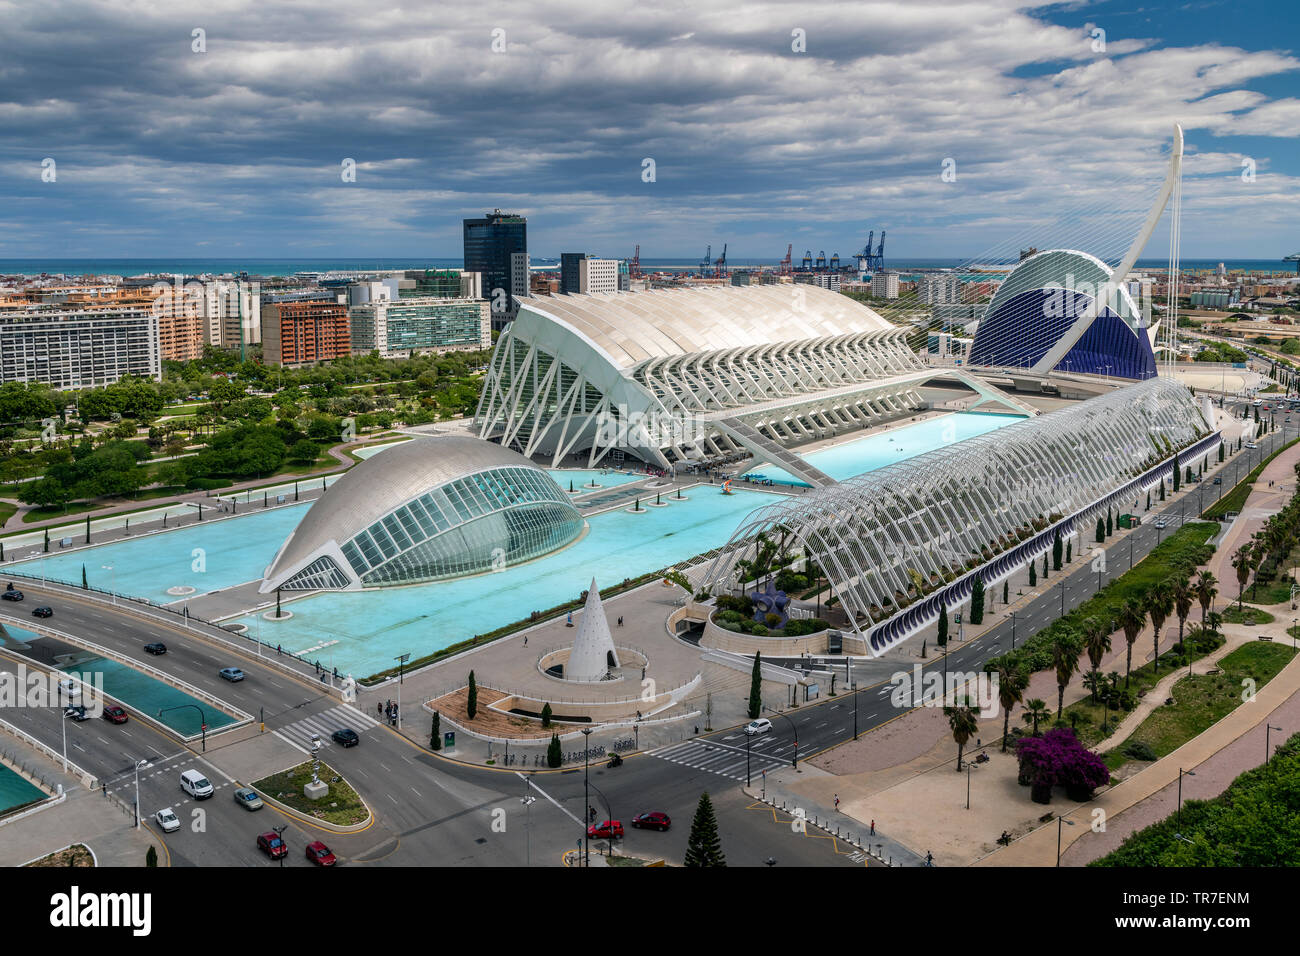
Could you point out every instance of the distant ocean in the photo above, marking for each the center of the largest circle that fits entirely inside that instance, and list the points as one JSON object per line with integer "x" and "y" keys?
{"x": 284, "y": 267}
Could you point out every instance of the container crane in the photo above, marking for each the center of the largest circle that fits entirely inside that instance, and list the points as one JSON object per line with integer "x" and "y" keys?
{"x": 806, "y": 265}
{"x": 820, "y": 265}
{"x": 720, "y": 264}
{"x": 707, "y": 261}
{"x": 784, "y": 268}
{"x": 634, "y": 266}
{"x": 835, "y": 262}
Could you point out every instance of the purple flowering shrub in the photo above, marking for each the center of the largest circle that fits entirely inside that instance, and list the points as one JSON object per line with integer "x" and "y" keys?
{"x": 1058, "y": 759}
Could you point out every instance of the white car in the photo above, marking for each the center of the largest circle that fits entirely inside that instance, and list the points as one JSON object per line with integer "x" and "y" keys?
{"x": 71, "y": 688}
{"x": 760, "y": 726}
{"x": 167, "y": 819}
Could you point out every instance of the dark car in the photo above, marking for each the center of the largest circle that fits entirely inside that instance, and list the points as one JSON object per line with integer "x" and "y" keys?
{"x": 606, "y": 830}
{"x": 12, "y": 595}
{"x": 42, "y": 612}
{"x": 345, "y": 737}
{"x": 320, "y": 854}
{"x": 654, "y": 820}
{"x": 157, "y": 647}
{"x": 114, "y": 714}
{"x": 272, "y": 845}
{"x": 76, "y": 712}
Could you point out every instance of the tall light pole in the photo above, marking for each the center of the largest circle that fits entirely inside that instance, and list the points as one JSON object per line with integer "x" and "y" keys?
{"x": 1268, "y": 752}
{"x": 586, "y": 796}
{"x": 139, "y": 765}
{"x": 1059, "y": 820}
{"x": 1190, "y": 773}
{"x": 528, "y": 800}
{"x": 401, "y": 661}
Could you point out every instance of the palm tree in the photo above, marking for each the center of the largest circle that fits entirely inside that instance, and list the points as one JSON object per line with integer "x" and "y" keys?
{"x": 1096, "y": 641}
{"x": 1241, "y": 561}
{"x": 964, "y": 722}
{"x": 1206, "y": 591}
{"x": 1035, "y": 710}
{"x": 1012, "y": 682}
{"x": 1065, "y": 658}
{"x": 1160, "y": 601}
{"x": 1183, "y": 597}
{"x": 1214, "y": 621}
{"x": 1132, "y": 618}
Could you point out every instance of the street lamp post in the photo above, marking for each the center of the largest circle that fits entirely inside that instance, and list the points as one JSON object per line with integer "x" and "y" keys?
{"x": 1059, "y": 820}
{"x": 203, "y": 720}
{"x": 528, "y": 801}
{"x": 1268, "y": 753}
{"x": 401, "y": 661}
{"x": 586, "y": 795}
{"x": 1190, "y": 773}
{"x": 139, "y": 765}
{"x": 279, "y": 832}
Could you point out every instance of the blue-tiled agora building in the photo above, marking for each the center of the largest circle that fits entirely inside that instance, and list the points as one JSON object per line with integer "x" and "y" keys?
{"x": 1041, "y": 300}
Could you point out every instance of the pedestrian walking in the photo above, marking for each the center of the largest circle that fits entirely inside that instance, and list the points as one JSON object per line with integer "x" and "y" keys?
{"x": 277, "y": 649}
{"x": 873, "y": 827}
{"x": 837, "y": 803}
{"x": 525, "y": 640}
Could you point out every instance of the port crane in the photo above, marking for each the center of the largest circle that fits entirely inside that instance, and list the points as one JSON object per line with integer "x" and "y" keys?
{"x": 869, "y": 261}
{"x": 707, "y": 261}
{"x": 784, "y": 267}
{"x": 720, "y": 264}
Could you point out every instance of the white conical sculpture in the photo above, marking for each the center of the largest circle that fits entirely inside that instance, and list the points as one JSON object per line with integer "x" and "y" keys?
{"x": 589, "y": 659}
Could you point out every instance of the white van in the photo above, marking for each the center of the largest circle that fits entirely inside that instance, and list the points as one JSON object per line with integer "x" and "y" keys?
{"x": 196, "y": 785}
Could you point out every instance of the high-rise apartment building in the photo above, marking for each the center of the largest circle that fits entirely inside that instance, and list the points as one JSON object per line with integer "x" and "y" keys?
{"x": 298, "y": 330}
{"x": 571, "y": 271}
{"x": 414, "y": 326}
{"x": 496, "y": 246}
{"x": 80, "y": 346}
{"x": 884, "y": 285}
{"x": 939, "y": 288}
{"x": 580, "y": 273}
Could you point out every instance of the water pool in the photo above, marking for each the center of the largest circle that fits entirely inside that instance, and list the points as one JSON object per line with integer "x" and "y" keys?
{"x": 875, "y": 451}
{"x": 606, "y": 478}
{"x": 360, "y": 632}
{"x": 206, "y": 557}
{"x": 15, "y": 790}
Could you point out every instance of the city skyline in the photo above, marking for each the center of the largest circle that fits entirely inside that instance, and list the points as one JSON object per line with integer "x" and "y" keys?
{"x": 767, "y": 127}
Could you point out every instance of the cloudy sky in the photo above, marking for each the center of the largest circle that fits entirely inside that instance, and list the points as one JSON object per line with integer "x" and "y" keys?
{"x": 767, "y": 123}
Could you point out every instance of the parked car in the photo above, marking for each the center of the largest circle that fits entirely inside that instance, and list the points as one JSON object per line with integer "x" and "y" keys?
{"x": 114, "y": 714}
{"x": 76, "y": 712}
{"x": 272, "y": 845}
{"x": 12, "y": 594}
{"x": 42, "y": 612}
{"x": 157, "y": 647}
{"x": 167, "y": 820}
{"x": 247, "y": 798}
{"x": 654, "y": 820}
{"x": 320, "y": 854}
{"x": 232, "y": 674}
{"x": 763, "y": 725}
{"x": 606, "y": 830}
{"x": 345, "y": 737}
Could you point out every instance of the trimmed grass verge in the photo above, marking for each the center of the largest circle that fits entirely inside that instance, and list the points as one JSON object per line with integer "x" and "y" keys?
{"x": 342, "y": 806}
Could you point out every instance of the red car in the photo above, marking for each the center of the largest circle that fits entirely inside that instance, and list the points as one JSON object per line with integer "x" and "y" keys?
{"x": 320, "y": 854}
{"x": 606, "y": 830}
{"x": 272, "y": 845}
{"x": 655, "y": 820}
{"x": 114, "y": 714}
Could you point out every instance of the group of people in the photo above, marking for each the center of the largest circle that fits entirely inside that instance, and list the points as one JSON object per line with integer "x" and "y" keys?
{"x": 389, "y": 710}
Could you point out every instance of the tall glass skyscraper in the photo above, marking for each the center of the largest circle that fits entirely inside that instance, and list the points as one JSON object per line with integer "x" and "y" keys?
{"x": 490, "y": 243}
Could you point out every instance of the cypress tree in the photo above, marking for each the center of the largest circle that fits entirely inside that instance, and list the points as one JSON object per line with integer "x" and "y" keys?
{"x": 1162, "y": 491}
{"x": 1148, "y": 501}
{"x": 84, "y": 584}
{"x": 977, "y": 602}
{"x": 435, "y": 732}
{"x": 703, "y": 848}
{"x": 756, "y": 688}
{"x": 1006, "y": 592}
{"x": 47, "y": 539}
{"x": 554, "y": 755}
{"x": 1220, "y": 451}
{"x": 1069, "y": 551}
{"x": 1175, "y": 470}
{"x": 471, "y": 701}
{"x": 1044, "y": 567}
{"x": 151, "y": 856}
{"x": 1110, "y": 525}
{"x": 942, "y": 640}
{"x": 1101, "y": 530}
{"x": 1033, "y": 574}
{"x": 1057, "y": 550}
{"x": 546, "y": 715}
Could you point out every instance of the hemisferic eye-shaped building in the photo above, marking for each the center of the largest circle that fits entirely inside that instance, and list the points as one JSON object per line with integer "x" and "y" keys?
{"x": 424, "y": 510}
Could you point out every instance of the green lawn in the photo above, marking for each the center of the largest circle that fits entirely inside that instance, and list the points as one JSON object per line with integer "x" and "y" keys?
{"x": 44, "y": 514}
{"x": 1202, "y": 700}
{"x": 1235, "y": 499}
{"x": 342, "y": 806}
{"x": 7, "y": 510}
{"x": 1247, "y": 614}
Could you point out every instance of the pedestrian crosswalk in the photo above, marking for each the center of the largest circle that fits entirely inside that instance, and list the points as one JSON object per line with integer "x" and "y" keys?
{"x": 722, "y": 759}
{"x": 325, "y": 723}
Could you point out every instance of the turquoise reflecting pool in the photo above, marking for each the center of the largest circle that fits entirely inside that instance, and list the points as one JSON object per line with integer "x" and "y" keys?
{"x": 150, "y": 696}
{"x": 15, "y": 790}
{"x": 206, "y": 557}
{"x": 875, "y": 451}
{"x": 360, "y": 632}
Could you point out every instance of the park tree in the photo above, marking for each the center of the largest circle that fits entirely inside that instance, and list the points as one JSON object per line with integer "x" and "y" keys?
{"x": 1101, "y": 531}
{"x": 756, "y": 688}
{"x": 942, "y": 640}
{"x": 977, "y": 601}
{"x": 1058, "y": 551}
{"x": 546, "y": 715}
{"x": 963, "y": 721}
{"x": 435, "y": 732}
{"x": 471, "y": 698}
{"x": 1033, "y": 573}
{"x": 703, "y": 847}
{"x": 554, "y": 755}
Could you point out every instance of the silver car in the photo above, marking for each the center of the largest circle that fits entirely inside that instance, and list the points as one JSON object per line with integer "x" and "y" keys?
{"x": 247, "y": 798}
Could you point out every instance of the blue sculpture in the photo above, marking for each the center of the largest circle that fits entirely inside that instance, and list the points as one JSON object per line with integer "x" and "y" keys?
{"x": 770, "y": 601}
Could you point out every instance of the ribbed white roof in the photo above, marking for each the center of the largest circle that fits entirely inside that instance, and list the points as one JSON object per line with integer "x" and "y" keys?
{"x": 632, "y": 327}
